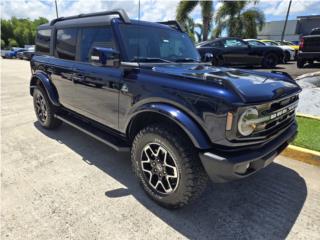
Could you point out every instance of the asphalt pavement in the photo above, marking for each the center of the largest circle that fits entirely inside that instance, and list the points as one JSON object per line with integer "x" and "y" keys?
{"x": 291, "y": 68}
{"x": 63, "y": 184}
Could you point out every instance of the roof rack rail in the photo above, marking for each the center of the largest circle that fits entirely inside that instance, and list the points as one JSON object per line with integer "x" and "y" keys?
{"x": 122, "y": 14}
{"x": 173, "y": 24}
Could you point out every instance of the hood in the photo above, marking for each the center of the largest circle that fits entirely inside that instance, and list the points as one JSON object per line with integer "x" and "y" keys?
{"x": 251, "y": 86}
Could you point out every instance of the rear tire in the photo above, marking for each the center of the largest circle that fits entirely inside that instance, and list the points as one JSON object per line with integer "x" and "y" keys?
{"x": 44, "y": 109}
{"x": 167, "y": 166}
{"x": 270, "y": 60}
{"x": 300, "y": 63}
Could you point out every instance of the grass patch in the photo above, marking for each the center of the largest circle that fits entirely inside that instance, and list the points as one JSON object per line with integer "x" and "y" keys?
{"x": 309, "y": 133}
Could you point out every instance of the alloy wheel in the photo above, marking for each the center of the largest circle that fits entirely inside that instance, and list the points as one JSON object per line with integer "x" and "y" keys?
{"x": 159, "y": 168}
{"x": 41, "y": 107}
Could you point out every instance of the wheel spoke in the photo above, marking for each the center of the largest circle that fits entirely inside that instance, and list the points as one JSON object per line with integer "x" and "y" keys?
{"x": 159, "y": 168}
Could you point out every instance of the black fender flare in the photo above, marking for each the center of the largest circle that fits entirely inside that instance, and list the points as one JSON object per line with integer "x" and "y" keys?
{"x": 184, "y": 121}
{"x": 48, "y": 86}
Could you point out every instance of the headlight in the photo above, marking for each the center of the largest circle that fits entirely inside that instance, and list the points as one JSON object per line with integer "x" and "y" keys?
{"x": 245, "y": 127}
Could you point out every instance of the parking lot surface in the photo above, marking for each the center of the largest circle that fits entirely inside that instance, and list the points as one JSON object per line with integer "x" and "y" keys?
{"x": 63, "y": 184}
{"x": 291, "y": 68}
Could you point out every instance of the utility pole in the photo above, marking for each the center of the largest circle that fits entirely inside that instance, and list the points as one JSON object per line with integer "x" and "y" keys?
{"x": 285, "y": 23}
{"x": 55, "y": 1}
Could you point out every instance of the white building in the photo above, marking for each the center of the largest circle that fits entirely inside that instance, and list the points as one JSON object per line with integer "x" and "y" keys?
{"x": 294, "y": 30}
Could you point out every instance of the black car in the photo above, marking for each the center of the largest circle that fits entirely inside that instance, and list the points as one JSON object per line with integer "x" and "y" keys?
{"x": 235, "y": 51}
{"x": 309, "y": 48}
{"x": 139, "y": 86}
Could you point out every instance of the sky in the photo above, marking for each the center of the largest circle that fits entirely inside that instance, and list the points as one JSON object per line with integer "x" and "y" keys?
{"x": 151, "y": 10}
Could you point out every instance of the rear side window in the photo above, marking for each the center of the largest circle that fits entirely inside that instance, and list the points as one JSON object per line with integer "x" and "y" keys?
{"x": 95, "y": 37}
{"x": 43, "y": 41}
{"x": 66, "y": 43}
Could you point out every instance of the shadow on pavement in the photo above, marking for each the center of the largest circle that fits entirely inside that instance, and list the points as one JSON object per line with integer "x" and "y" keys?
{"x": 264, "y": 206}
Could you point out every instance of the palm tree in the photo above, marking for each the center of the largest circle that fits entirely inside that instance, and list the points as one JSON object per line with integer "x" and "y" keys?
{"x": 238, "y": 21}
{"x": 185, "y": 7}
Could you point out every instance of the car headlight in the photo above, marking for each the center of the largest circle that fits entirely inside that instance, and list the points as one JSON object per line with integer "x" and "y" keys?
{"x": 245, "y": 125}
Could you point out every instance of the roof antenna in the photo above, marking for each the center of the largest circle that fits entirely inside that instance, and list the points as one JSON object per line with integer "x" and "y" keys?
{"x": 139, "y": 34}
{"x": 139, "y": 12}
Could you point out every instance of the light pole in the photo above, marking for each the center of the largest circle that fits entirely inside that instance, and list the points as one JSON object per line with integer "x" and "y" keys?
{"x": 55, "y": 1}
{"x": 285, "y": 23}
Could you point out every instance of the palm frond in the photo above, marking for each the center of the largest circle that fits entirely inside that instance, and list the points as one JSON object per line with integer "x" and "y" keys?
{"x": 183, "y": 10}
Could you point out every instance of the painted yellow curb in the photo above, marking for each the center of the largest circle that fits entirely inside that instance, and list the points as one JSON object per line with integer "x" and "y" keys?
{"x": 302, "y": 154}
{"x": 308, "y": 116}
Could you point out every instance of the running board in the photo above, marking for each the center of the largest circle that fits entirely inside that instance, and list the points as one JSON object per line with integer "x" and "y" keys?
{"x": 108, "y": 139}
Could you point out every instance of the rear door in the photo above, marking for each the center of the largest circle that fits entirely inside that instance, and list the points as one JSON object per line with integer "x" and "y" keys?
{"x": 62, "y": 68}
{"x": 96, "y": 88}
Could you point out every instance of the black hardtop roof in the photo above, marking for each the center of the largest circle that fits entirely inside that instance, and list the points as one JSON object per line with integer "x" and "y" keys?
{"x": 103, "y": 18}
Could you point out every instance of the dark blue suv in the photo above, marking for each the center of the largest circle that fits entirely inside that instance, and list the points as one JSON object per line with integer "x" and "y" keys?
{"x": 141, "y": 86}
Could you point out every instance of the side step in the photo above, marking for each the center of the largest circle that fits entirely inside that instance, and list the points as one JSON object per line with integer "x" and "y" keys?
{"x": 112, "y": 141}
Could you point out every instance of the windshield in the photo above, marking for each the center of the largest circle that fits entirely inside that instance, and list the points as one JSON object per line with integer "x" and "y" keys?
{"x": 155, "y": 44}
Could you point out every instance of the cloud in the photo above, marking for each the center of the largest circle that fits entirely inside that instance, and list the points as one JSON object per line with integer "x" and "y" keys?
{"x": 279, "y": 8}
{"x": 151, "y": 10}
{"x": 26, "y": 9}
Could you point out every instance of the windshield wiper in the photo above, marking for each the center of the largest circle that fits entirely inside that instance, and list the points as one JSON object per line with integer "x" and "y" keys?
{"x": 149, "y": 59}
{"x": 186, "y": 60}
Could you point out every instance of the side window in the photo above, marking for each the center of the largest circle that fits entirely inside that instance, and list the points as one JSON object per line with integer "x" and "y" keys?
{"x": 66, "y": 41}
{"x": 43, "y": 41}
{"x": 233, "y": 43}
{"x": 95, "y": 37}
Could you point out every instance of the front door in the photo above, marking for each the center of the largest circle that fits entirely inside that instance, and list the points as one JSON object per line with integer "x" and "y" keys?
{"x": 235, "y": 51}
{"x": 96, "y": 87}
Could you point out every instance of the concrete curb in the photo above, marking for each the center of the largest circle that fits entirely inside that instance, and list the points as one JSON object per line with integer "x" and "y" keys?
{"x": 302, "y": 154}
{"x": 308, "y": 116}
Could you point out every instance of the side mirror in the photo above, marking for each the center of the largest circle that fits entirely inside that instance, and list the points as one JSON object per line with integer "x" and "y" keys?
{"x": 208, "y": 57}
{"x": 105, "y": 57}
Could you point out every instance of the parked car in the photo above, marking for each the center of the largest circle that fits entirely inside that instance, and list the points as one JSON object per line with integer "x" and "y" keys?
{"x": 20, "y": 55}
{"x": 12, "y": 53}
{"x": 140, "y": 85}
{"x": 288, "y": 43}
{"x": 235, "y": 51}
{"x": 309, "y": 49}
{"x": 289, "y": 52}
{"x": 28, "y": 54}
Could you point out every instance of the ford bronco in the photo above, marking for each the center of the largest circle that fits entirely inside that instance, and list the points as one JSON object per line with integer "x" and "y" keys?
{"x": 140, "y": 86}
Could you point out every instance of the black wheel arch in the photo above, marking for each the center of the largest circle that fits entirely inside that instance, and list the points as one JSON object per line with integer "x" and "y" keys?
{"x": 187, "y": 126}
{"x": 40, "y": 79}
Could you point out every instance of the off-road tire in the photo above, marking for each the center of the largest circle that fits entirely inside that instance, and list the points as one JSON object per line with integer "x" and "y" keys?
{"x": 50, "y": 121}
{"x": 270, "y": 60}
{"x": 192, "y": 176}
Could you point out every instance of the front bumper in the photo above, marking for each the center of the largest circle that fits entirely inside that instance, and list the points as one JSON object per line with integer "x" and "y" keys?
{"x": 228, "y": 166}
